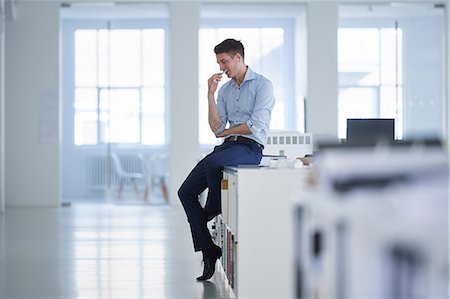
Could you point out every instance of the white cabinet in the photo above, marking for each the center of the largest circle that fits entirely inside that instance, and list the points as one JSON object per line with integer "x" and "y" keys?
{"x": 256, "y": 230}
{"x": 376, "y": 228}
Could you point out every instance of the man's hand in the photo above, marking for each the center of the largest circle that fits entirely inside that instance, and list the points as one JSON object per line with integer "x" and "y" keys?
{"x": 241, "y": 129}
{"x": 223, "y": 134}
{"x": 213, "y": 81}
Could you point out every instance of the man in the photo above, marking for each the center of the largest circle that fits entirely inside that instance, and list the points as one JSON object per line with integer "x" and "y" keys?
{"x": 242, "y": 116}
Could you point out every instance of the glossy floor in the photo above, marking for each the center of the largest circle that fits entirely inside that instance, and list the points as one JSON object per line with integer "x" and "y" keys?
{"x": 101, "y": 251}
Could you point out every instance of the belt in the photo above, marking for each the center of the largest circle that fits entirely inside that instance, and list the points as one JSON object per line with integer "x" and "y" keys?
{"x": 241, "y": 139}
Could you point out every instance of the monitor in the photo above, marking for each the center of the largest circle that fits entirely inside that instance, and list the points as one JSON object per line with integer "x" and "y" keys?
{"x": 370, "y": 131}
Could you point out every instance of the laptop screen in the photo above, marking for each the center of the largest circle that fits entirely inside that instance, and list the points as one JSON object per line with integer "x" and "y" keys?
{"x": 370, "y": 131}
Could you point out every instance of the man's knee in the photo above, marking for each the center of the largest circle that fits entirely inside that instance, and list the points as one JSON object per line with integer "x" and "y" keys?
{"x": 183, "y": 193}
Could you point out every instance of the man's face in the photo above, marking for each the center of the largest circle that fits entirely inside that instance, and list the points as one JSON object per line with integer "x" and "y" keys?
{"x": 228, "y": 63}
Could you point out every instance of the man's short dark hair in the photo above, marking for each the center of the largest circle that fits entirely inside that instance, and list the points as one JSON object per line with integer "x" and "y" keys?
{"x": 230, "y": 46}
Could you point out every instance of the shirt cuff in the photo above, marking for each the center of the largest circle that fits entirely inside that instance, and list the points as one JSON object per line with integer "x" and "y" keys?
{"x": 221, "y": 129}
{"x": 251, "y": 126}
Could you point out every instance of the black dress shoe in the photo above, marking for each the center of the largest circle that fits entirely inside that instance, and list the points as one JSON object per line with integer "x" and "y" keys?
{"x": 209, "y": 263}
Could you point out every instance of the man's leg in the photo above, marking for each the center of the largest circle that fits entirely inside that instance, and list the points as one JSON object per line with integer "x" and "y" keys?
{"x": 208, "y": 173}
{"x": 233, "y": 155}
{"x": 230, "y": 154}
{"x": 189, "y": 193}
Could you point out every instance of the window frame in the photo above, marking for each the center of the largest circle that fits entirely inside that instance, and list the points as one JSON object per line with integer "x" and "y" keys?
{"x": 69, "y": 26}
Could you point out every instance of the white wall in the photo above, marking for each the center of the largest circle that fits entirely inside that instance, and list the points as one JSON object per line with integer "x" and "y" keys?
{"x": 32, "y": 71}
{"x": 32, "y": 164}
{"x": 2, "y": 109}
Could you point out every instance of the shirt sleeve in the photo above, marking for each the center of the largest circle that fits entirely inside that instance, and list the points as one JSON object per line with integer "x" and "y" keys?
{"x": 221, "y": 109}
{"x": 265, "y": 100}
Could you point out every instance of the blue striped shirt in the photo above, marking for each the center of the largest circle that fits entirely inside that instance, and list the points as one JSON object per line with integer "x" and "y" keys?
{"x": 251, "y": 102}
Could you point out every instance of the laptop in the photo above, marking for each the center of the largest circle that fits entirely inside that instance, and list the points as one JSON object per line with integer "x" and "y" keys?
{"x": 370, "y": 131}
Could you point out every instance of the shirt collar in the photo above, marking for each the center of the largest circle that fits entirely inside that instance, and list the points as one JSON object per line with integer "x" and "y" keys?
{"x": 249, "y": 75}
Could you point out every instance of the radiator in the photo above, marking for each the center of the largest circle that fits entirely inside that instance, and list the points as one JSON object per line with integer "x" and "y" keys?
{"x": 99, "y": 172}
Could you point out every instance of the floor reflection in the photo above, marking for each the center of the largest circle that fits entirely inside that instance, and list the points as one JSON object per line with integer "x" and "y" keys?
{"x": 121, "y": 256}
{"x": 209, "y": 290}
{"x": 89, "y": 251}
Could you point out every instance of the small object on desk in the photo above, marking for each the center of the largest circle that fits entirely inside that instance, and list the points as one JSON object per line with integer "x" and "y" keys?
{"x": 305, "y": 160}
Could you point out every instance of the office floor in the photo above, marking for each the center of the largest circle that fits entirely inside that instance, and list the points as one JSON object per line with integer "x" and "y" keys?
{"x": 101, "y": 250}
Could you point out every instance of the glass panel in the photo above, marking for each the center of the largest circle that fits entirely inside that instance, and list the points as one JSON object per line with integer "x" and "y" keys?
{"x": 355, "y": 103}
{"x": 207, "y": 64}
{"x": 104, "y": 58}
{"x": 391, "y": 107}
{"x": 104, "y": 115}
{"x": 123, "y": 115}
{"x": 272, "y": 41}
{"x": 153, "y": 120}
{"x": 85, "y": 99}
{"x": 358, "y": 56}
{"x": 400, "y": 55}
{"x": 388, "y": 102}
{"x": 85, "y": 128}
{"x": 300, "y": 115}
{"x": 153, "y": 57}
{"x": 391, "y": 54}
{"x": 278, "y": 118}
{"x": 399, "y": 120}
{"x": 277, "y": 121}
{"x": 104, "y": 100}
{"x": 153, "y": 101}
{"x": 153, "y": 131}
{"x": 85, "y": 57}
{"x": 125, "y": 58}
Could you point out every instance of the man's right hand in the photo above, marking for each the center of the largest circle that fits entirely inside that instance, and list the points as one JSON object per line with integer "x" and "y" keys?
{"x": 213, "y": 82}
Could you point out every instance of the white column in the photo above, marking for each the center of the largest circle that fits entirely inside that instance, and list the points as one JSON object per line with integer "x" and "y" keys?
{"x": 2, "y": 112}
{"x": 447, "y": 100}
{"x": 322, "y": 92}
{"x": 32, "y": 173}
{"x": 183, "y": 106}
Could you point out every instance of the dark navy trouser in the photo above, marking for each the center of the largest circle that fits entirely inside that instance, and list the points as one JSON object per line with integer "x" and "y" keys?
{"x": 208, "y": 174}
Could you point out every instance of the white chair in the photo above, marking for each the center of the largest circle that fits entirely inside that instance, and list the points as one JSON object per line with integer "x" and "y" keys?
{"x": 147, "y": 171}
{"x": 125, "y": 176}
{"x": 158, "y": 169}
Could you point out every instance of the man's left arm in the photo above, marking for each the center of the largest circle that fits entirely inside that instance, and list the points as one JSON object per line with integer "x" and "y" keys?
{"x": 265, "y": 100}
{"x": 241, "y": 129}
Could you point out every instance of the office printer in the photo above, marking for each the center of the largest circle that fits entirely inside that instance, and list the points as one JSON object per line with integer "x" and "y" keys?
{"x": 287, "y": 145}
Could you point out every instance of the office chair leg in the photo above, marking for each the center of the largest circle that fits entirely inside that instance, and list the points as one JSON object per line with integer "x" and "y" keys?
{"x": 135, "y": 186}
{"x": 146, "y": 193}
{"x": 165, "y": 190}
{"x": 119, "y": 191}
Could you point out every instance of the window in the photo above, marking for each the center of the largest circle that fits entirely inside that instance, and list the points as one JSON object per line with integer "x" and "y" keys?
{"x": 391, "y": 64}
{"x": 268, "y": 35}
{"x": 370, "y": 75}
{"x": 119, "y": 85}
